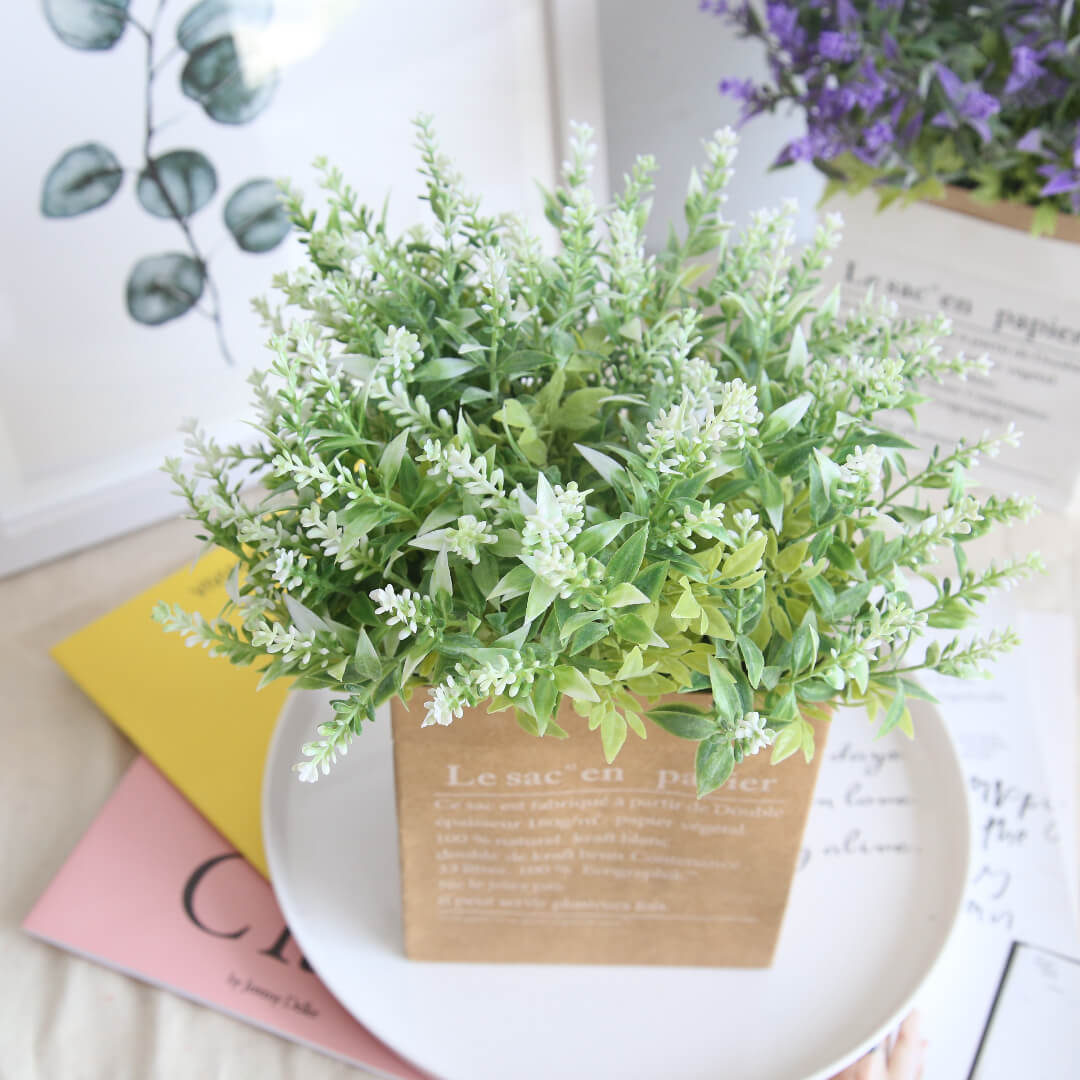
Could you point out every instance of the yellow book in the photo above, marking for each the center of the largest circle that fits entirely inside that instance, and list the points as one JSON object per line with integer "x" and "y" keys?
{"x": 198, "y": 719}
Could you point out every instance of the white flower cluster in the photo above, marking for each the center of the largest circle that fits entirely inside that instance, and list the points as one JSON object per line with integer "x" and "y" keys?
{"x": 286, "y": 567}
{"x": 465, "y": 687}
{"x": 457, "y": 463}
{"x": 551, "y": 523}
{"x": 399, "y": 355}
{"x": 293, "y": 644}
{"x": 955, "y": 519}
{"x": 708, "y": 522}
{"x": 558, "y": 514}
{"x": 896, "y": 625}
{"x": 690, "y": 434}
{"x": 493, "y": 278}
{"x": 347, "y": 551}
{"x": 464, "y": 540}
{"x": 862, "y": 470}
{"x": 407, "y": 609}
{"x": 751, "y": 734}
{"x": 330, "y": 480}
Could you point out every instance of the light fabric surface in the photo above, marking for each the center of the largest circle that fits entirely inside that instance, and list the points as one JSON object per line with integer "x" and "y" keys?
{"x": 66, "y": 1018}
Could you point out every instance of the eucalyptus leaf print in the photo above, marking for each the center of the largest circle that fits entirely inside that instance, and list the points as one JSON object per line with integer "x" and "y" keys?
{"x": 255, "y": 217}
{"x": 217, "y": 18}
{"x": 164, "y": 287}
{"x": 215, "y": 78}
{"x": 88, "y": 24}
{"x": 85, "y": 178}
{"x": 198, "y": 50}
{"x": 177, "y": 184}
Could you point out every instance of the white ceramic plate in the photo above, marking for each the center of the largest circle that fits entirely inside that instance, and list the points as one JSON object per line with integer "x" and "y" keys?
{"x": 868, "y": 917}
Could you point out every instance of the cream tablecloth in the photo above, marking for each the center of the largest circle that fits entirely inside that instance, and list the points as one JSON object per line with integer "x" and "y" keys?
{"x": 65, "y": 1018}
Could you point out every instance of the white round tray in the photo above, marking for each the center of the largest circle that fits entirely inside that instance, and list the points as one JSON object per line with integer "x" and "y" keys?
{"x": 865, "y": 924}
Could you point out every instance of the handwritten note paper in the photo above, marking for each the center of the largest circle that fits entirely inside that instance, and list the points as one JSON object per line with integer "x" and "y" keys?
{"x": 1009, "y": 296}
{"x": 1018, "y": 885}
{"x": 1032, "y": 1030}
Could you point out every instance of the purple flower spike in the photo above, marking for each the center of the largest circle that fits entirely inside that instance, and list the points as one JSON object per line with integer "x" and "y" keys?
{"x": 1031, "y": 143}
{"x": 1061, "y": 182}
{"x": 1026, "y": 69}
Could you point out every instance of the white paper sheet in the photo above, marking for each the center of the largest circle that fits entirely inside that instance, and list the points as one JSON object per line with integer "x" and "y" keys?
{"x": 1033, "y": 1030}
{"x": 1009, "y": 295}
{"x": 1023, "y": 837}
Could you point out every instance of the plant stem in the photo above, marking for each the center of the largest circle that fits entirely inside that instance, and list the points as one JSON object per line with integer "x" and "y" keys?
{"x": 151, "y": 170}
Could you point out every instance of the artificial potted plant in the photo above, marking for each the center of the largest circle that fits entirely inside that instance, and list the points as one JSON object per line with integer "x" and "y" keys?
{"x": 644, "y": 495}
{"x": 917, "y": 99}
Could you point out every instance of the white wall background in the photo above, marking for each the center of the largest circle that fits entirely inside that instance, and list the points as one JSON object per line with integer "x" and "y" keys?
{"x": 661, "y": 61}
{"x": 90, "y": 401}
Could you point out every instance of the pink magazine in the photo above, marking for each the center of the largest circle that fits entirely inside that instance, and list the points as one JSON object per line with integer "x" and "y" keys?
{"x": 154, "y": 891}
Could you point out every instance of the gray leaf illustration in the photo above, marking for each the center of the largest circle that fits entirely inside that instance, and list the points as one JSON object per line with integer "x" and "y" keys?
{"x": 85, "y": 178}
{"x": 255, "y": 216}
{"x": 88, "y": 24}
{"x": 188, "y": 180}
{"x": 214, "y": 77}
{"x": 164, "y": 287}
{"x": 213, "y": 19}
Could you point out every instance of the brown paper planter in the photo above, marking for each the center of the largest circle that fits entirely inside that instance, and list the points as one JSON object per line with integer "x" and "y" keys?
{"x": 517, "y": 849}
{"x": 1010, "y": 215}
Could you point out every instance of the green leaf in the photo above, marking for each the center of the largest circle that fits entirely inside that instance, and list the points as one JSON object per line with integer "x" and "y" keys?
{"x": 545, "y": 697}
{"x": 797, "y": 354}
{"x": 516, "y": 583}
{"x": 626, "y": 562}
{"x": 728, "y": 704}
{"x": 651, "y": 580}
{"x": 441, "y": 581}
{"x": 176, "y": 184}
{"x": 365, "y": 658}
{"x": 574, "y": 684}
{"x": 635, "y": 629}
{"x": 685, "y": 721}
{"x": 541, "y": 597}
{"x": 255, "y": 216}
{"x": 390, "y": 461}
{"x": 588, "y": 635}
{"x": 576, "y": 621}
{"x": 782, "y": 420}
{"x": 84, "y": 178}
{"x": 612, "y": 733}
{"x": 88, "y": 24}
{"x": 746, "y": 559}
{"x": 443, "y": 367}
{"x": 788, "y": 741}
{"x": 624, "y": 595}
{"x": 752, "y": 657}
{"x": 895, "y": 714}
{"x": 164, "y": 287}
{"x": 714, "y": 763}
{"x": 803, "y": 653}
{"x": 215, "y": 77}
{"x": 597, "y": 537}
{"x": 791, "y": 558}
{"x": 608, "y": 468}
{"x": 515, "y": 414}
{"x": 772, "y": 498}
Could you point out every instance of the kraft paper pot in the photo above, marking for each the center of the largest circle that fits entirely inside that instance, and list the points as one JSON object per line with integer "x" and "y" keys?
{"x": 526, "y": 850}
{"x": 1006, "y": 214}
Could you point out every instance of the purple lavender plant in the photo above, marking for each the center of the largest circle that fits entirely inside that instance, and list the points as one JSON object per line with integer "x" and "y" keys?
{"x": 906, "y": 96}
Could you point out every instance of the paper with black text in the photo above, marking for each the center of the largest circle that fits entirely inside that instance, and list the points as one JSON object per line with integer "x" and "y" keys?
{"x": 1009, "y": 295}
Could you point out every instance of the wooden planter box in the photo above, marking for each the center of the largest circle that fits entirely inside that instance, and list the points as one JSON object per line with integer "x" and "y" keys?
{"x": 1010, "y": 215}
{"x": 517, "y": 849}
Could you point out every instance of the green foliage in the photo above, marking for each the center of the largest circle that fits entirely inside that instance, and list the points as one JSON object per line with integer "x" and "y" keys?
{"x": 598, "y": 476}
